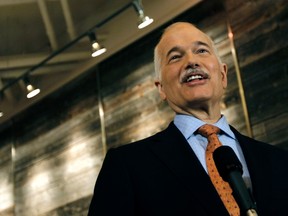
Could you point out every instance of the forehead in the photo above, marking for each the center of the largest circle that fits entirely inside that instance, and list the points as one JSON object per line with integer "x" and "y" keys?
{"x": 181, "y": 34}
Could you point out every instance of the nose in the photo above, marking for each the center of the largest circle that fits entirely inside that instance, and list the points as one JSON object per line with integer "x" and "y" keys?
{"x": 191, "y": 61}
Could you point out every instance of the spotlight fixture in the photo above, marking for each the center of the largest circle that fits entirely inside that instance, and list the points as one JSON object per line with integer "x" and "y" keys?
{"x": 1, "y": 113}
{"x": 96, "y": 49}
{"x": 143, "y": 20}
{"x": 32, "y": 91}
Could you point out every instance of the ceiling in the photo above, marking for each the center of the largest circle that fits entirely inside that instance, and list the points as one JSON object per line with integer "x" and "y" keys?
{"x": 46, "y": 39}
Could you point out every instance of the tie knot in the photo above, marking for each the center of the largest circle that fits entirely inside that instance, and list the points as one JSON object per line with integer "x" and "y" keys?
{"x": 207, "y": 129}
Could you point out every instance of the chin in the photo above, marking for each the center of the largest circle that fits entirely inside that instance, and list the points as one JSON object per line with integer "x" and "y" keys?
{"x": 199, "y": 98}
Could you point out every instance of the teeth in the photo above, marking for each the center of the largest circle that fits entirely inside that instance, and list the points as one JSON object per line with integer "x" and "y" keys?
{"x": 194, "y": 77}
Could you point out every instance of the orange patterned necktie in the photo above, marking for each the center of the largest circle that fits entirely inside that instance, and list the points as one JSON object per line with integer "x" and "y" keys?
{"x": 223, "y": 188}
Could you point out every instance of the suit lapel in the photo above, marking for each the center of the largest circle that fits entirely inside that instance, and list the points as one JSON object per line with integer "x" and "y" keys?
{"x": 173, "y": 149}
{"x": 256, "y": 163}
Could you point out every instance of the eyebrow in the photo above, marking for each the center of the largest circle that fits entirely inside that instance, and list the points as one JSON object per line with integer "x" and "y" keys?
{"x": 196, "y": 43}
{"x": 173, "y": 49}
{"x": 201, "y": 43}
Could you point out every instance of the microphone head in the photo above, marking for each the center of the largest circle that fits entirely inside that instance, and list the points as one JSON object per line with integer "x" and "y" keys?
{"x": 226, "y": 161}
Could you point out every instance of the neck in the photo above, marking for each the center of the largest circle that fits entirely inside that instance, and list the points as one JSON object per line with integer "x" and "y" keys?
{"x": 208, "y": 114}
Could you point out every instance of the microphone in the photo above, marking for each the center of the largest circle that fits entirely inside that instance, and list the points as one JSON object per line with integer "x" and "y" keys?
{"x": 230, "y": 169}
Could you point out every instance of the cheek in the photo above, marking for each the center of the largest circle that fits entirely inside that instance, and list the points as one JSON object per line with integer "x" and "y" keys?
{"x": 217, "y": 74}
{"x": 169, "y": 76}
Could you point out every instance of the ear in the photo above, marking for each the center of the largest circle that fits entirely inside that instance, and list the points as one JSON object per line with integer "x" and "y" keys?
{"x": 159, "y": 86}
{"x": 224, "y": 71}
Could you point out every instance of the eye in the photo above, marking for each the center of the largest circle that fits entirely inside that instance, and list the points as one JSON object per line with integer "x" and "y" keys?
{"x": 202, "y": 51}
{"x": 174, "y": 57}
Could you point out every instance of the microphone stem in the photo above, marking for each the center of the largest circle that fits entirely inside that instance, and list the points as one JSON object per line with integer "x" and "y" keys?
{"x": 240, "y": 192}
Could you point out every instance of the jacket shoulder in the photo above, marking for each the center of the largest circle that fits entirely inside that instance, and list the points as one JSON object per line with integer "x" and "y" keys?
{"x": 171, "y": 132}
{"x": 260, "y": 146}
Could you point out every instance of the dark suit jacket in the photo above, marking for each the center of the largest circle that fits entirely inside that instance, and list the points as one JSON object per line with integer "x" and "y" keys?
{"x": 161, "y": 176}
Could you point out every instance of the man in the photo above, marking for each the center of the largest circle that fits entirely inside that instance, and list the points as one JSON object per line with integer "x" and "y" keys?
{"x": 166, "y": 174}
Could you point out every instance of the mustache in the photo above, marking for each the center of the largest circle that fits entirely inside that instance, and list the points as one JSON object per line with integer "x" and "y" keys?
{"x": 192, "y": 72}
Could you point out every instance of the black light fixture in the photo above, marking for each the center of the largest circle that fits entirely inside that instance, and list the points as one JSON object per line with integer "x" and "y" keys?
{"x": 96, "y": 49}
{"x": 143, "y": 20}
{"x": 32, "y": 91}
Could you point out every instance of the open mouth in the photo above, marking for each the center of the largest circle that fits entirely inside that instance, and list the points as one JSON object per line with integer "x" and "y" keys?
{"x": 194, "y": 76}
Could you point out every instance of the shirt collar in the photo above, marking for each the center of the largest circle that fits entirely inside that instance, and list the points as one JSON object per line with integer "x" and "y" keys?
{"x": 188, "y": 125}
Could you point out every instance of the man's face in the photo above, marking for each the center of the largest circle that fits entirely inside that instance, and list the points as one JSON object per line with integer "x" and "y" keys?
{"x": 191, "y": 75}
